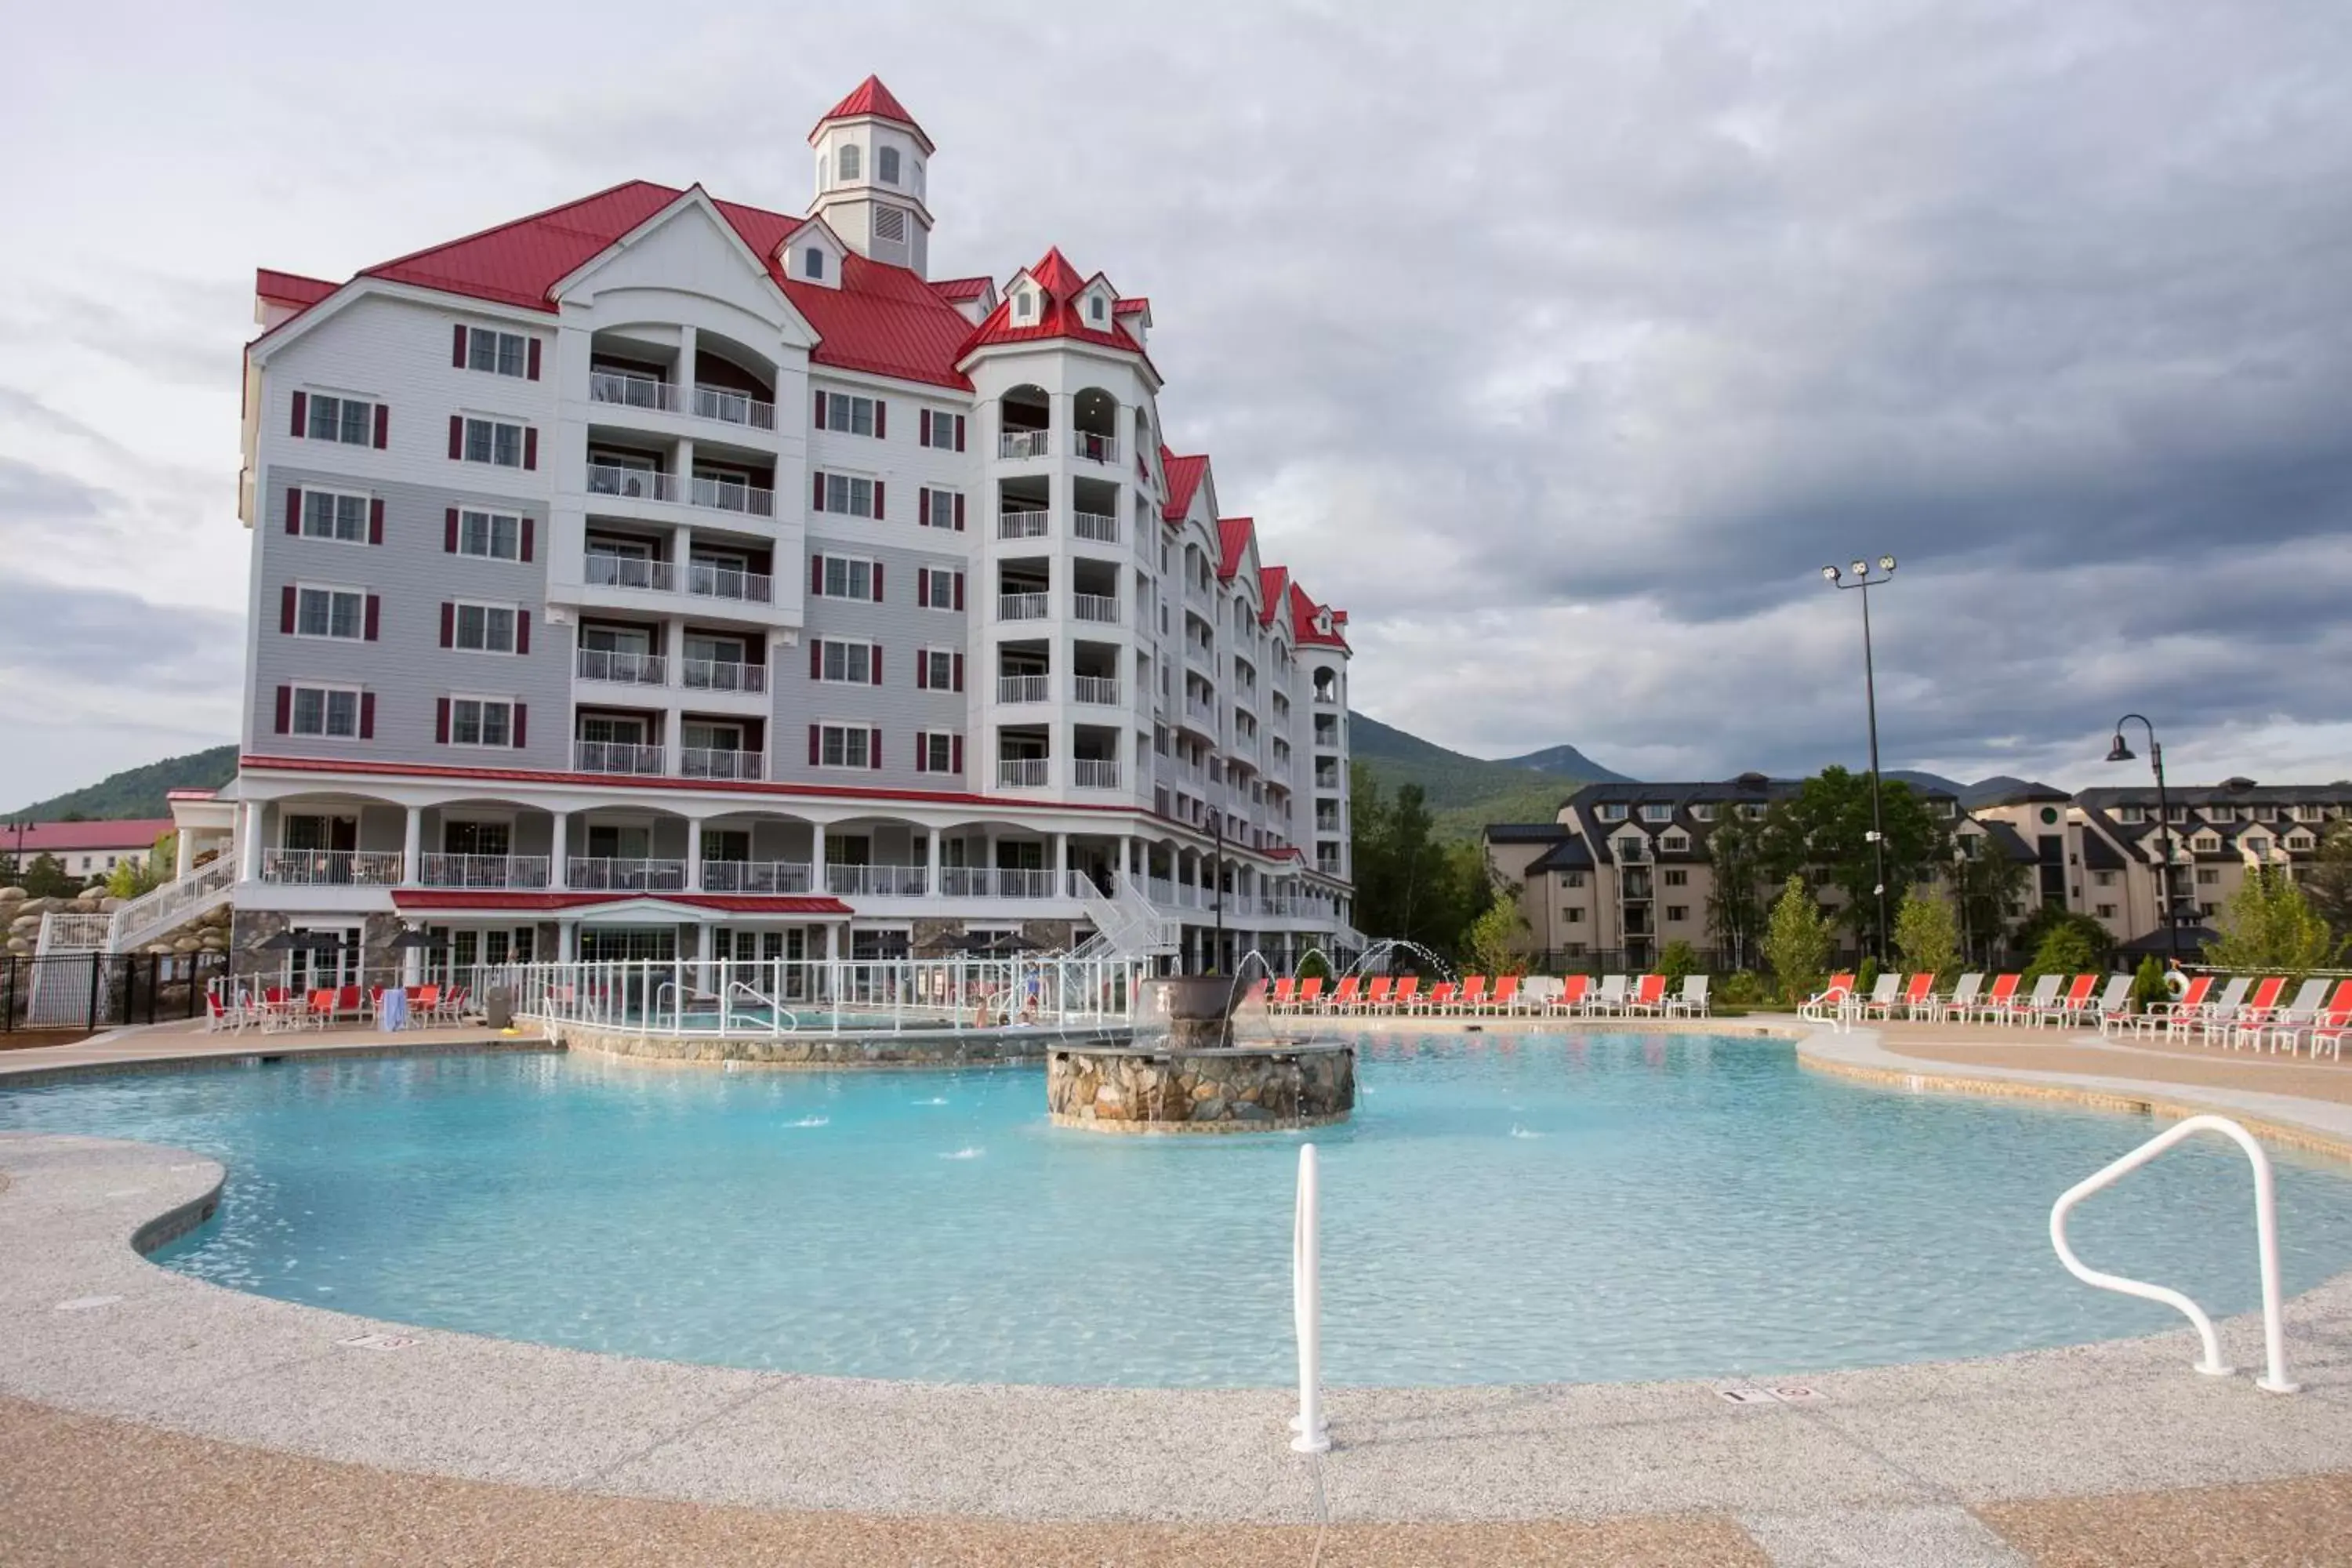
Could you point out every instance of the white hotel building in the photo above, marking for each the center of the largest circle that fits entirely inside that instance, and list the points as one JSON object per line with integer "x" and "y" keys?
{"x": 656, "y": 575}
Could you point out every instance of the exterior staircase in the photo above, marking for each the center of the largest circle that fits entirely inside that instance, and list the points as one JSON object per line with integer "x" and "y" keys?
{"x": 61, "y": 993}
{"x": 158, "y": 913}
{"x": 1126, "y": 923}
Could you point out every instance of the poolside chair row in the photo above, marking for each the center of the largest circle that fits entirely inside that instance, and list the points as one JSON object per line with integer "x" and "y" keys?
{"x": 2247, "y": 1015}
{"x": 275, "y": 1008}
{"x": 1535, "y": 996}
{"x": 2080, "y": 1002}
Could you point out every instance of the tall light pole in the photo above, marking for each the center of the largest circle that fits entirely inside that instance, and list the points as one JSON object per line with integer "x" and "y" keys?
{"x": 1865, "y": 581}
{"x": 2119, "y": 752}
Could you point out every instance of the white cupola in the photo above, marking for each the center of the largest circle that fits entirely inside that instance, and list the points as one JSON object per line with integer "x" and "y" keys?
{"x": 872, "y": 165}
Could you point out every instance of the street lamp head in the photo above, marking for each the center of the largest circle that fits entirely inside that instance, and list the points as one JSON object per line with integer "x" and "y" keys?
{"x": 1860, "y": 569}
{"x": 1829, "y": 574}
{"x": 2119, "y": 752}
{"x": 1887, "y": 564}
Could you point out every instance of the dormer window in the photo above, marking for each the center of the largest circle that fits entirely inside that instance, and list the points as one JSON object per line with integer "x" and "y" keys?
{"x": 2208, "y": 843}
{"x": 1656, "y": 812}
{"x": 848, "y": 161}
{"x": 1673, "y": 843}
{"x": 885, "y": 165}
{"x": 1702, "y": 814}
{"x": 1095, "y": 307}
{"x": 1024, "y": 304}
{"x": 1613, "y": 813}
{"x": 813, "y": 261}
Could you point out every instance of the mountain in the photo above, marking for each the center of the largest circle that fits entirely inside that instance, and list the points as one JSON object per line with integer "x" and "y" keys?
{"x": 1466, "y": 793}
{"x": 138, "y": 792}
{"x": 1916, "y": 779}
{"x": 1569, "y": 764}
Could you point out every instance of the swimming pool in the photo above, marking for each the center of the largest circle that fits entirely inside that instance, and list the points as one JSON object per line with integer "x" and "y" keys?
{"x": 1587, "y": 1208}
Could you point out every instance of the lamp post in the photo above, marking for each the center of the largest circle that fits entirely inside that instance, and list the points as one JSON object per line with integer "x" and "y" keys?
{"x": 1865, "y": 583}
{"x": 2120, "y": 753}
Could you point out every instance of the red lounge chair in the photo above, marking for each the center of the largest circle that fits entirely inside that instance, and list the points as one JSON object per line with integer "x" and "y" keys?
{"x": 1440, "y": 997}
{"x": 2058, "y": 1009}
{"x": 347, "y": 1002}
{"x": 1649, "y": 995}
{"x": 2330, "y": 1027}
{"x": 1506, "y": 995}
{"x": 1376, "y": 994}
{"x": 1571, "y": 994}
{"x": 2256, "y": 1011}
{"x": 1921, "y": 989}
{"x": 1346, "y": 998}
{"x": 319, "y": 1008}
{"x": 1473, "y": 994}
{"x": 1401, "y": 1000}
{"x": 1995, "y": 1003}
{"x": 2160, "y": 1016}
{"x": 1285, "y": 995}
{"x": 1829, "y": 999}
{"x": 1310, "y": 992}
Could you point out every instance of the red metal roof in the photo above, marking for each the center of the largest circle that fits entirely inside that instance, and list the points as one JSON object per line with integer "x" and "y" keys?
{"x": 290, "y": 287}
{"x": 732, "y": 903}
{"x": 871, "y": 97}
{"x": 516, "y": 263}
{"x": 61, "y": 838}
{"x": 1059, "y": 318}
{"x": 1233, "y": 535}
{"x": 1273, "y": 584}
{"x": 1303, "y": 611}
{"x": 1184, "y": 479}
{"x": 963, "y": 288}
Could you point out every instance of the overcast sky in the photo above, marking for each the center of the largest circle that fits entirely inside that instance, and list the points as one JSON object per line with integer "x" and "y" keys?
{"x": 1560, "y": 345}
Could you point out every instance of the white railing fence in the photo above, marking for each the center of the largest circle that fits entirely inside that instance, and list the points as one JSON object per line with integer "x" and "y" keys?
{"x": 152, "y": 914}
{"x": 2274, "y": 1379}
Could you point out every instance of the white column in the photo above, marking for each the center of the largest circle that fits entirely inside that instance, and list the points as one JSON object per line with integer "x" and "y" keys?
{"x": 249, "y": 842}
{"x": 694, "y": 860}
{"x": 933, "y": 859}
{"x": 558, "y": 853}
{"x": 686, "y": 348}
{"x": 685, "y": 484}
{"x": 831, "y": 941}
{"x": 411, "y": 846}
{"x": 702, "y": 933}
{"x": 1061, "y": 864}
{"x": 183, "y": 847}
{"x": 817, "y": 859}
{"x": 567, "y": 941}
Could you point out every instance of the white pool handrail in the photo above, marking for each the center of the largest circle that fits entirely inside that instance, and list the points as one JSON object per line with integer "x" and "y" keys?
{"x": 2275, "y": 1380}
{"x": 780, "y": 1018}
{"x": 1307, "y": 1309}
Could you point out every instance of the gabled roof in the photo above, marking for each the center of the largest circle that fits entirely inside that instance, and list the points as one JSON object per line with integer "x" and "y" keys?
{"x": 1526, "y": 832}
{"x": 290, "y": 287}
{"x": 871, "y": 98}
{"x": 516, "y": 263}
{"x": 63, "y": 837}
{"x": 1234, "y": 537}
{"x": 1058, "y": 317}
{"x": 1273, "y": 584}
{"x": 1302, "y": 612}
{"x": 1184, "y": 476}
{"x": 1571, "y": 854}
{"x": 963, "y": 288}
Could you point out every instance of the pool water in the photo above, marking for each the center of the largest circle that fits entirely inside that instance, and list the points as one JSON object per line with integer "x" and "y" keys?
{"x": 1581, "y": 1207}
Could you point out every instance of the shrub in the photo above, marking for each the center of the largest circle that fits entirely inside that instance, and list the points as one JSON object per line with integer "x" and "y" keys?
{"x": 1865, "y": 979}
{"x": 2270, "y": 927}
{"x": 1928, "y": 936}
{"x": 1677, "y": 963}
{"x": 1797, "y": 942}
{"x": 2149, "y": 989}
{"x": 2064, "y": 950}
{"x": 1741, "y": 988}
{"x": 1315, "y": 966}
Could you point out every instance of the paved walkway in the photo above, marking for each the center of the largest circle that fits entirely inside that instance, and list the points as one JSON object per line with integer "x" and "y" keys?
{"x": 147, "y": 1416}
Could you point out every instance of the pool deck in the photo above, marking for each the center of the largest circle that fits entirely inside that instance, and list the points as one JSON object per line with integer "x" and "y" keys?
{"x": 148, "y": 1417}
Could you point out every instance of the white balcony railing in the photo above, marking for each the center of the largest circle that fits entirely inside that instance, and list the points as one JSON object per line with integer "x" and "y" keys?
{"x": 1023, "y": 688}
{"x": 878, "y": 881}
{"x": 731, "y": 495}
{"x": 722, "y": 675}
{"x": 1022, "y": 773}
{"x": 1021, "y": 524}
{"x": 720, "y": 762}
{"x": 1101, "y": 691}
{"x": 632, "y": 391}
{"x": 1096, "y": 448}
{"x": 1102, "y": 527}
{"x": 995, "y": 882}
{"x": 1095, "y": 772}
{"x": 715, "y": 581}
{"x": 331, "y": 867}
{"x": 1023, "y": 443}
{"x": 1203, "y": 713}
{"x": 1021, "y": 607}
{"x": 631, "y": 484}
{"x": 733, "y": 408}
{"x": 1102, "y": 609}
{"x": 617, "y": 757}
{"x": 483, "y": 870}
{"x": 600, "y": 874}
{"x": 625, "y": 669}
{"x": 755, "y": 877}
{"x": 628, "y": 571}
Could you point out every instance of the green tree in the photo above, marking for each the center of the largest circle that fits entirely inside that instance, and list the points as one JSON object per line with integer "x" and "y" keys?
{"x": 1927, "y": 935}
{"x": 2269, "y": 926}
{"x": 1408, "y": 883}
{"x": 131, "y": 878}
{"x": 1797, "y": 941}
{"x": 2326, "y": 879}
{"x": 1677, "y": 962}
{"x": 2062, "y": 950}
{"x": 1987, "y": 886}
{"x": 1735, "y": 903}
{"x": 2089, "y": 937}
{"x": 1315, "y": 966}
{"x": 1495, "y": 943}
{"x": 43, "y": 878}
{"x": 1821, "y": 833}
{"x": 2149, "y": 989}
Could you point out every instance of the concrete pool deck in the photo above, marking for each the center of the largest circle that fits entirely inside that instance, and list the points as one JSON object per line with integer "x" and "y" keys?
{"x": 286, "y": 1426}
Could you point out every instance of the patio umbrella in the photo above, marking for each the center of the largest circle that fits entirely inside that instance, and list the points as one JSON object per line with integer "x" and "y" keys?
{"x": 321, "y": 942}
{"x": 1007, "y": 943}
{"x": 283, "y": 942}
{"x": 410, "y": 940}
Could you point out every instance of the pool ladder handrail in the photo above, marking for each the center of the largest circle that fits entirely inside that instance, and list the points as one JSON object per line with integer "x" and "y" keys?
{"x": 777, "y": 1012}
{"x": 1306, "y": 1305}
{"x": 2276, "y": 1379}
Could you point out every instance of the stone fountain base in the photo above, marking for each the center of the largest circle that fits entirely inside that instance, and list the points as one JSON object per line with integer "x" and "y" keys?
{"x": 1136, "y": 1089}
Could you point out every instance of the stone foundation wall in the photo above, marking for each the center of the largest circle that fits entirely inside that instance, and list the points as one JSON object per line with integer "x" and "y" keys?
{"x": 1207, "y": 1092}
{"x": 911, "y": 1048}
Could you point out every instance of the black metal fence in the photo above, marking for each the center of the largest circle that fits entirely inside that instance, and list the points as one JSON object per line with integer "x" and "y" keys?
{"x": 100, "y": 990}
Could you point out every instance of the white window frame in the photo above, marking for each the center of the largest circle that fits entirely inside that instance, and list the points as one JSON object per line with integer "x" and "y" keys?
{"x": 325, "y": 695}
{"x": 499, "y": 338}
{"x": 458, "y": 701}
{"x": 466, "y": 518}
{"x": 887, "y": 164}
{"x": 847, "y": 405}
{"x": 848, "y": 565}
{"x": 940, "y": 581}
{"x": 333, "y": 591}
{"x": 334, "y": 535}
{"x": 940, "y": 430}
{"x": 493, "y": 424}
{"x": 850, "y": 161}
{"x": 825, "y": 646}
{"x": 1611, "y": 811}
{"x": 489, "y": 610}
{"x": 1653, "y": 812}
{"x": 932, "y": 678}
{"x": 939, "y": 750}
{"x": 813, "y": 259}
{"x": 344, "y": 403}
{"x": 942, "y": 514}
{"x": 826, "y": 737}
{"x": 848, "y": 484}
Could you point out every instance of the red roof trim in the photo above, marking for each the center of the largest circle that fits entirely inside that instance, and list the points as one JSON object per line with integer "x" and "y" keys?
{"x": 963, "y": 288}
{"x": 290, "y": 287}
{"x": 55, "y": 838}
{"x": 733, "y": 903}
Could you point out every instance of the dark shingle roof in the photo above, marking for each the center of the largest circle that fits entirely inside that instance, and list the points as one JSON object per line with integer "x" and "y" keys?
{"x": 1525, "y": 832}
{"x": 1568, "y": 855}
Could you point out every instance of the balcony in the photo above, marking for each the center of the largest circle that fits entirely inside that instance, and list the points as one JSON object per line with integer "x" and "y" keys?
{"x": 1203, "y": 715}
{"x": 621, "y": 669}
{"x": 731, "y": 495}
{"x": 1100, "y": 608}
{"x": 733, "y": 408}
{"x": 729, "y": 583}
{"x": 1023, "y": 688}
{"x": 617, "y": 757}
{"x": 995, "y": 882}
{"x": 1022, "y": 773}
{"x": 1022, "y": 606}
{"x": 631, "y": 484}
{"x": 632, "y": 392}
{"x": 1097, "y": 690}
{"x": 1022, "y": 524}
{"x": 629, "y": 572}
{"x": 1096, "y": 448}
{"x": 878, "y": 881}
{"x": 720, "y": 762}
{"x": 722, "y": 675}
{"x": 331, "y": 867}
{"x": 1102, "y": 527}
{"x": 483, "y": 870}
{"x": 1095, "y": 772}
{"x": 599, "y": 874}
{"x": 755, "y": 877}
{"x": 1018, "y": 444}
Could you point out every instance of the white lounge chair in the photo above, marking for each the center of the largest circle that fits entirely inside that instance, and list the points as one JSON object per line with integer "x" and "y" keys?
{"x": 2114, "y": 1006}
{"x": 1882, "y": 998}
{"x": 1691, "y": 1003}
{"x": 2284, "y": 1026}
{"x": 1609, "y": 1000}
{"x": 1945, "y": 1009}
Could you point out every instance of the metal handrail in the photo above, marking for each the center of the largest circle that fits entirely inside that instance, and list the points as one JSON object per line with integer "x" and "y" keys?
{"x": 1307, "y": 1308}
{"x": 2275, "y": 1380}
